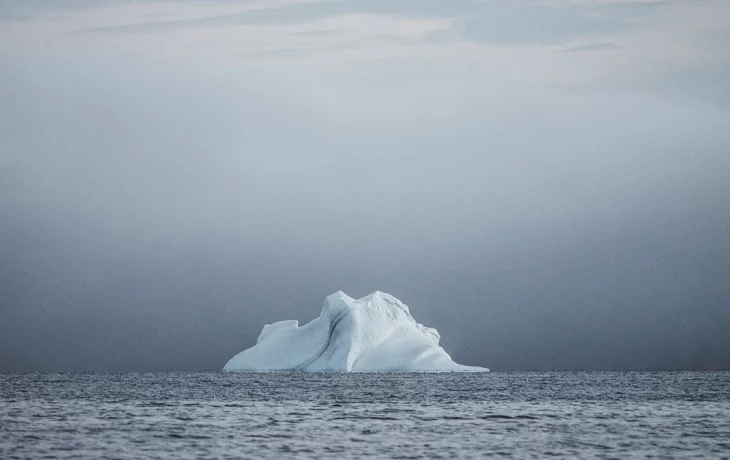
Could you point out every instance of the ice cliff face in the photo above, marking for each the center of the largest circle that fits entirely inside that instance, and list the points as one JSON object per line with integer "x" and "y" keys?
{"x": 375, "y": 333}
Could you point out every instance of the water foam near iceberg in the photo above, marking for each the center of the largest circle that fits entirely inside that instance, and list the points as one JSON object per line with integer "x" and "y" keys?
{"x": 374, "y": 333}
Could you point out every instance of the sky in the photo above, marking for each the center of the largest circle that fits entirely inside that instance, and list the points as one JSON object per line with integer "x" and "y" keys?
{"x": 546, "y": 182}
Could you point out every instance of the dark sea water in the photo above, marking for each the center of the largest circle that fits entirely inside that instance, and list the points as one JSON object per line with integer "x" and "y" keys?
{"x": 389, "y": 415}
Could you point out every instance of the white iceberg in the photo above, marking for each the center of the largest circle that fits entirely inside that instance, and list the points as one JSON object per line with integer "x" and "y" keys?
{"x": 375, "y": 333}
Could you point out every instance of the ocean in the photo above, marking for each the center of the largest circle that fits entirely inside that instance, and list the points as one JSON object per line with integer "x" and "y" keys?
{"x": 369, "y": 415}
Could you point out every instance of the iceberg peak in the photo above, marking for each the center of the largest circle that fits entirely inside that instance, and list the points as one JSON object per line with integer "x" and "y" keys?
{"x": 373, "y": 333}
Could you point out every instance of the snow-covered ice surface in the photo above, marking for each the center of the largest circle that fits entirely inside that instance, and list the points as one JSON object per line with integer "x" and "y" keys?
{"x": 374, "y": 333}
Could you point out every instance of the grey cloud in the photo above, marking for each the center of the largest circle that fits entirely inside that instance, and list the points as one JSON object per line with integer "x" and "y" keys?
{"x": 161, "y": 26}
{"x": 592, "y": 47}
{"x": 315, "y": 33}
{"x": 442, "y": 37}
{"x": 290, "y": 52}
{"x": 28, "y": 10}
{"x": 540, "y": 22}
{"x": 157, "y": 215}
{"x": 500, "y": 23}
{"x": 284, "y": 14}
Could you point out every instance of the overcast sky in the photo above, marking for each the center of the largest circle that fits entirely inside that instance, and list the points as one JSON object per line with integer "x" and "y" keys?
{"x": 546, "y": 182}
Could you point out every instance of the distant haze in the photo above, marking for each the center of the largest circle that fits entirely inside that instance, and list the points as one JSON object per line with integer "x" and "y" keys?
{"x": 547, "y": 183}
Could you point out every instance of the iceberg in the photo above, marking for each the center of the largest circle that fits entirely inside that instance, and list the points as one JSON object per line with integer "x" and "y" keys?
{"x": 374, "y": 333}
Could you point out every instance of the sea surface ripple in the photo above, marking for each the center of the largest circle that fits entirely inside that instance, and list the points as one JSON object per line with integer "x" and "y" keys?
{"x": 368, "y": 415}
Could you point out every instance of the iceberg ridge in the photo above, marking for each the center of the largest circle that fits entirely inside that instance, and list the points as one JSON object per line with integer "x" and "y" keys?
{"x": 374, "y": 333}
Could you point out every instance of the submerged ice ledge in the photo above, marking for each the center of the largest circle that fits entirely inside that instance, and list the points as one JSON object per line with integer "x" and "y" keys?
{"x": 374, "y": 333}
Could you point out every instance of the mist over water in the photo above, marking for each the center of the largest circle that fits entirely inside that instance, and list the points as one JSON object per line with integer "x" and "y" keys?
{"x": 157, "y": 210}
{"x": 151, "y": 226}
